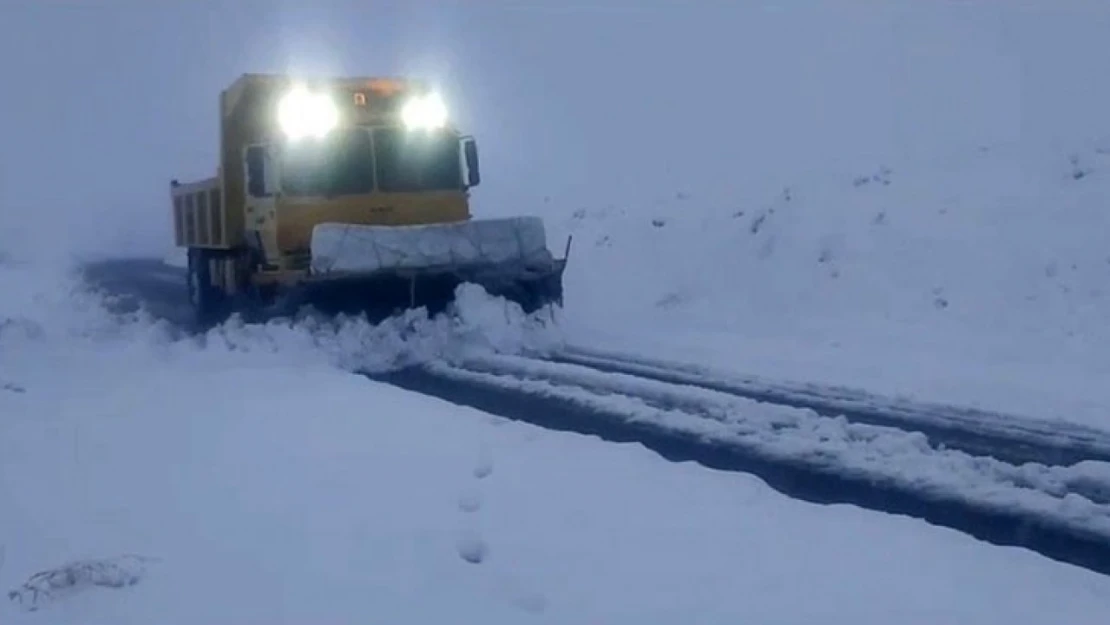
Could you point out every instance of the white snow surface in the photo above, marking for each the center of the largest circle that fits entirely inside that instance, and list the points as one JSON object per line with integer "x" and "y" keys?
{"x": 911, "y": 202}
{"x": 246, "y": 477}
{"x": 177, "y": 257}
{"x": 361, "y": 248}
{"x": 1068, "y": 496}
{"x": 981, "y": 278}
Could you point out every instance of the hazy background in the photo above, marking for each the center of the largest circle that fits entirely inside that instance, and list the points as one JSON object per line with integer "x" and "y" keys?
{"x": 584, "y": 103}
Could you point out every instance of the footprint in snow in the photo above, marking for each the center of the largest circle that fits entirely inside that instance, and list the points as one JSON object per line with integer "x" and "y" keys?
{"x": 470, "y": 502}
{"x": 484, "y": 466}
{"x": 471, "y": 547}
{"x": 527, "y": 599}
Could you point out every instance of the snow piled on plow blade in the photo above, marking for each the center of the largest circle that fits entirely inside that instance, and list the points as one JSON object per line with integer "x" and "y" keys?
{"x": 353, "y": 248}
{"x": 391, "y": 267}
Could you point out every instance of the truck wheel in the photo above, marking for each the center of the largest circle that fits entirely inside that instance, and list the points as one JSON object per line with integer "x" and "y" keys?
{"x": 208, "y": 303}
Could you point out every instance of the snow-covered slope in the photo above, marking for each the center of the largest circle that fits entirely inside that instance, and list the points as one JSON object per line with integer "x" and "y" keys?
{"x": 246, "y": 477}
{"x": 884, "y": 197}
{"x": 982, "y": 277}
{"x": 954, "y": 282}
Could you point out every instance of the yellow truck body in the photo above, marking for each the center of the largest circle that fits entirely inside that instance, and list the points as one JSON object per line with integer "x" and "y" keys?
{"x": 301, "y": 156}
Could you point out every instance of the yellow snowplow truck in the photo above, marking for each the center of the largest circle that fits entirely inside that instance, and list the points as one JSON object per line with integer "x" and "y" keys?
{"x": 349, "y": 195}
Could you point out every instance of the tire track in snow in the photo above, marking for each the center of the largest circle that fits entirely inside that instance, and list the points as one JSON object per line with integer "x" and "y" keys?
{"x": 797, "y": 452}
{"x": 1090, "y": 479}
{"x": 1008, "y": 438}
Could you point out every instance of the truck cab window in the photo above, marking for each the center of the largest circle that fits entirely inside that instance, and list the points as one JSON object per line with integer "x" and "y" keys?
{"x": 256, "y": 171}
{"x": 416, "y": 161}
{"x": 341, "y": 164}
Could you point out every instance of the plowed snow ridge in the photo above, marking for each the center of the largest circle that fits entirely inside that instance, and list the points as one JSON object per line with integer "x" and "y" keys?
{"x": 883, "y": 455}
{"x": 1034, "y": 440}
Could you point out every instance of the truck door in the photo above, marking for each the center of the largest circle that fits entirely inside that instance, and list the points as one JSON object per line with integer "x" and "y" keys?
{"x": 262, "y": 187}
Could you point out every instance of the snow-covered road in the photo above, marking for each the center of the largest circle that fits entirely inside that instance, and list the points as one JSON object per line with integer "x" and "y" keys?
{"x": 1009, "y": 438}
{"x": 1062, "y": 512}
{"x": 245, "y": 474}
{"x": 151, "y": 283}
{"x": 1042, "y": 485}
{"x": 835, "y": 347}
{"x": 255, "y": 488}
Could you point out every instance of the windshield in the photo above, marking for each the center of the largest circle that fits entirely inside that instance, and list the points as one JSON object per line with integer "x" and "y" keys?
{"x": 417, "y": 161}
{"x": 341, "y": 164}
{"x": 345, "y": 163}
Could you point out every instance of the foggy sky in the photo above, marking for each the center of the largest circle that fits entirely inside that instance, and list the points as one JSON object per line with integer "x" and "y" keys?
{"x": 585, "y": 103}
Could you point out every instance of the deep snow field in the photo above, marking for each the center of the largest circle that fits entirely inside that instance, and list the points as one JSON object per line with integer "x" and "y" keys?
{"x": 981, "y": 279}
{"x": 247, "y": 476}
{"x": 908, "y": 199}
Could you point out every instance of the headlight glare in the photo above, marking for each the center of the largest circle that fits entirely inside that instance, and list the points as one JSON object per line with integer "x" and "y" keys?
{"x": 427, "y": 112}
{"x": 302, "y": 113}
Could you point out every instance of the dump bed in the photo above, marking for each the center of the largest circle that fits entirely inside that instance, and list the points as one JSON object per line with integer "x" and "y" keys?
{"x": 198, "y": 215}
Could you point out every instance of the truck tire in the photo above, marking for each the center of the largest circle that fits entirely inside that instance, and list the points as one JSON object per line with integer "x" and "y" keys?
{"x": 208, "y": 303}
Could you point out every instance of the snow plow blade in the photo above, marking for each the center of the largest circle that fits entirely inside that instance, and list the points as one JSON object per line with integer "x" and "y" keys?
{"x": 380, "y": 270}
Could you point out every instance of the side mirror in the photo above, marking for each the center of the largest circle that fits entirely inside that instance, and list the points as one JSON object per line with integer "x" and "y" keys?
{"x": 473, "y": 175}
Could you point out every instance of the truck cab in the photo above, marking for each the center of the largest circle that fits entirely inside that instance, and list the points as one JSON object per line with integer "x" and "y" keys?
{"x": 385, "y": 157}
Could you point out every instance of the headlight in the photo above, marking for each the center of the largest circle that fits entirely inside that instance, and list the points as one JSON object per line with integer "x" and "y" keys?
{"x": 305, "y": 114}
{"x": 428, "y": 112}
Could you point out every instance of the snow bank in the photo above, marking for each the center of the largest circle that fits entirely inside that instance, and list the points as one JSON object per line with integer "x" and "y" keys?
{"x": 479, "y": 324}
{"x": 177, "y": 257}
{"x": 48, "y": 313}
{"x": 48, "y": 302}
{"x": 981, "y": 278}
{"x": 180, "y": 484}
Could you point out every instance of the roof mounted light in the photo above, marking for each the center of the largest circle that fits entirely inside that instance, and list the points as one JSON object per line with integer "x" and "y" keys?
{"x": 426, "y": 112}
{"x": 302, "y": 113}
